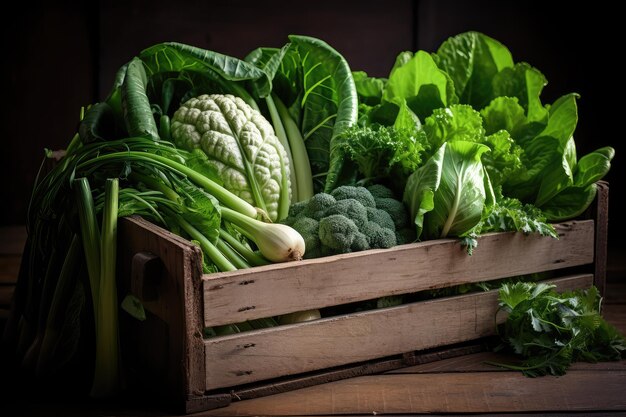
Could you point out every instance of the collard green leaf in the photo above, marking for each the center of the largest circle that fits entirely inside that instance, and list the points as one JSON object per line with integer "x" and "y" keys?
{"x": 472, "y": 60}
{"x": 135, "y": 104}
{"x": 328, "y": 105}
{"x": 175, "y": 57}
{"x": 569, "y": 203}
{"x": 422, "y": 84}
{"x": 593, "y": 166}
{"x": 369, "y": 89}
{"x": 524, "y": 83}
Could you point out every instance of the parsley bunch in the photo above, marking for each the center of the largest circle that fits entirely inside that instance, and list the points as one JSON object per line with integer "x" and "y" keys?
{"x": 552, "y": 330}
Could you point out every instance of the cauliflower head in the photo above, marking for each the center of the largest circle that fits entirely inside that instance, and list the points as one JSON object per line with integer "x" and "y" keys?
{"x": 240, "y": 145}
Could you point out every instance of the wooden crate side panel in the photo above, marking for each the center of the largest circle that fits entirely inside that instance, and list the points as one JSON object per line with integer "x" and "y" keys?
{"x": 287, "y": 350}
{"x": 601, "y": 216}
{"x": 278, "y": 289}
{"x": 163, "y": 271}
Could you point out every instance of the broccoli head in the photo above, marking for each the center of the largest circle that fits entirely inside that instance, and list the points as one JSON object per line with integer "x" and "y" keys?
{"x": 350, "y": 219}
{"x": 360, "y": 194}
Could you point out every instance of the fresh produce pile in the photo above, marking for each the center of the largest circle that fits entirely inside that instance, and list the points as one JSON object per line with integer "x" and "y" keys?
{"x": 283, "y": 155}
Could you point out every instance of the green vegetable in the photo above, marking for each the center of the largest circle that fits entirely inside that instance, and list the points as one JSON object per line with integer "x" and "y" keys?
{"x": 240, "y": 145}
{"x": 106, "y": 376}
{"x": 315, "y": 83}
{"x": 349, "y": 220}
{"x": 551, "y": 331}
{"x": 446, "y": 196}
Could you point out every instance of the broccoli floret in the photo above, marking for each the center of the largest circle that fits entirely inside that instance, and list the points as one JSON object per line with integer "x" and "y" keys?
{"x": 309, "y": 229}
{"x": 337, "y": 232}
{"x": 360, "y": 194}
{"x": 396, "y": 210}
{"x": 296, "y": 208}
{"x": 380, "y": 217}
{"x": 380, "y": 191}
{"x": 359, "y": 243}
{"x": 379, "y": 237}
{"x": 350, "y": 208}
{"x": 317, "y": 205}
{"x": 405, "y": 235}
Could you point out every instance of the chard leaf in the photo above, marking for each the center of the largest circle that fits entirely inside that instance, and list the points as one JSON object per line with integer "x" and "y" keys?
{"x": 422, "y": 84}
{"x": 176, "y": 57}
{"x": 472, "y": 60}
{"x": 569, "y": 203}
{"x": 326, "y": 104}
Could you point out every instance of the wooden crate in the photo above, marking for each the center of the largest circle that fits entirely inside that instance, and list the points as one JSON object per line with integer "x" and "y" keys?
{"x": 168, "y": 349}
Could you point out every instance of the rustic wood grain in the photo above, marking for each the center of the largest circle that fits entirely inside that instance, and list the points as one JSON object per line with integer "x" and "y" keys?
{"x": 168, "y": 344}
{"x": 470, "y": 392}
{"x": 292, "y": 349}
{"x": 601, "y": 217}
{"x": 476, "y": 363}
{"x": 277, "y": 289}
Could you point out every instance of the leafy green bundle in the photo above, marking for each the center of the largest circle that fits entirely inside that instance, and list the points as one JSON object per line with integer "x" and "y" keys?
{"x": 551, "y": 330}
{"x": 463, "y": 132}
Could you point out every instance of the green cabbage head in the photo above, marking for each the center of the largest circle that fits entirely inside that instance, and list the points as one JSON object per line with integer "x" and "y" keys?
{"x": 240, "y": 145}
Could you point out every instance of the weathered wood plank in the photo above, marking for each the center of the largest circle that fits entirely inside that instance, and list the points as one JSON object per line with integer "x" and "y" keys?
{"x": 476, "y": 363}
{"x": 168, "y": 344}
{"x": 292, "y": 349}
{"x": 277, "y": 289}
{"x": 472, "y": 392}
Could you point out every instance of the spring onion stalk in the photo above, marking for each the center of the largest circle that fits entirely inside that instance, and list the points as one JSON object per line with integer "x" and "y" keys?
{"x": 224, "y": 196}
{"x": 300, "y": 163}
{"x": 52, "y": 336}
{"x": 250, "y": 256}
{"x": 237, "y": 260}
{"x": 106, "y": 376}
{"x": 277, "y": 242}
{"x": 279, "y": 130}
{"x": 222, "y": 263}
{"x": 90, "y": 234}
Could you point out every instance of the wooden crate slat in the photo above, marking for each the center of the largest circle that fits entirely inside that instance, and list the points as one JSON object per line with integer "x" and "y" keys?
{"x": 168, "y": 343}
{"x": 278, "y": 289}
{"x": 287, "y": 350}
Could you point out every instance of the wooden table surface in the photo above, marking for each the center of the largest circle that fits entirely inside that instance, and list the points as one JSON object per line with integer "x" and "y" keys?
{"x": 453, "y": 386}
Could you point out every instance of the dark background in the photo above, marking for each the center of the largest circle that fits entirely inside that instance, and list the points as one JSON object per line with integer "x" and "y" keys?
{"x": 57, "y": 58}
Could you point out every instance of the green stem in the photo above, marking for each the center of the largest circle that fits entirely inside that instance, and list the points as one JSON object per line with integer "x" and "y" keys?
{"x": 90, "y": 234}
{"x": 231, "y": 255}
{"x": 224, "y": 196}
{"x": 300, "y": 163}
{"x": 251, "y": 257}
{"x": 106, "y": 375}
{"x": 222, "y": 263}
{"x": 279, "y": 129}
